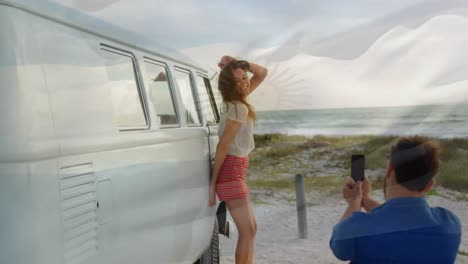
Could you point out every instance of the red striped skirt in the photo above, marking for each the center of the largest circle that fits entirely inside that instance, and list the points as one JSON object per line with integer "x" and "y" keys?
{"x": 231, "y": 184}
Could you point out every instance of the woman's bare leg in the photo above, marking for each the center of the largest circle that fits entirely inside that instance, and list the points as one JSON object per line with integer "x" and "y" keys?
{"x": 254, "y": 223}
{"x": 241, "y": 213}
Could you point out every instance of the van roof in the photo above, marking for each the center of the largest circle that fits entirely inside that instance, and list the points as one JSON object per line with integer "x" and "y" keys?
{"x": 82, "y": 21}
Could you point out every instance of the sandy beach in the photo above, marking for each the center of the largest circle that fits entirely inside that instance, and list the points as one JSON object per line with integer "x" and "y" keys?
{"x": 322, "y": 161}
{"x": 277, "y": 238}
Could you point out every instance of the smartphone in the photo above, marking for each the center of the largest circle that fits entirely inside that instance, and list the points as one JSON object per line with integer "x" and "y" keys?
{"x": 358, "y": 164}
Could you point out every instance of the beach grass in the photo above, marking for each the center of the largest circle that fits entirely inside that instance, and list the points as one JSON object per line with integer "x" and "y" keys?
{"x": 325, "y": 161}
{"x": 310, "y": 184}
{"x": 462, "y": 197}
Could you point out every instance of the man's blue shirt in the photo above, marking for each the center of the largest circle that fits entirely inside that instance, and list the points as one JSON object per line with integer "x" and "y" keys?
{"x": 402, "y": 230}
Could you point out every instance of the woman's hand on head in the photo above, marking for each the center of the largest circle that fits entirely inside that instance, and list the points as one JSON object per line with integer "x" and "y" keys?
{"x": 225, "y": 60}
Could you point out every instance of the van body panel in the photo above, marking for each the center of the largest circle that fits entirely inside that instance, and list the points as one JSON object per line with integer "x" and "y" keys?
{"x": 74, "y": 187}
{"x": 27, "y": 127}
{"x": 86, "y": 23}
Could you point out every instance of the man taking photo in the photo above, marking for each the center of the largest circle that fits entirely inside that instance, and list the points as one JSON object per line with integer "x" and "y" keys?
{"x": 404, "y": 229}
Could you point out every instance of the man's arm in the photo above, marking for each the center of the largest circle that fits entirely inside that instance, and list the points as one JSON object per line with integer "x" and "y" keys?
{"x": 343, "y": 249}
{"x": 352, "y": 193}
{"x": 350, "y": 210}
{"x": 367, "y": 202}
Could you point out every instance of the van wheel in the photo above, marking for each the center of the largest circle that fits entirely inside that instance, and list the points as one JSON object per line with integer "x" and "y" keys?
{"x": 211, "y": 255}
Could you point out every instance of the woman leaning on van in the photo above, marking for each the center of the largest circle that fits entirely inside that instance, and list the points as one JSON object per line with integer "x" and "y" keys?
{"x": 235, "y": 143}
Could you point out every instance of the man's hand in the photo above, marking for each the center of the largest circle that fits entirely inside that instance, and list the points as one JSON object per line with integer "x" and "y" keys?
{"x": 366, "y": 188}
{"x": 352, "y": 193}
{"x": 367, "y": 202}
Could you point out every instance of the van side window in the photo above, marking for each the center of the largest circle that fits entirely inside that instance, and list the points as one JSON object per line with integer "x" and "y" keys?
{"x": 207, "y": 100}
{"x": 124, "y": 90}
{"x": 216, "y": 93}
{"x": 160, "y": 93}
{"x": 184, "y": 82}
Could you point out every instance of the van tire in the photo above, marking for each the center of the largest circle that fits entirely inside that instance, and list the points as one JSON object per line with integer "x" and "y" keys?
{"x": 211, "y": 255}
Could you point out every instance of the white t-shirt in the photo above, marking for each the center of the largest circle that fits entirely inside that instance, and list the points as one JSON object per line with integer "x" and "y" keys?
{"x": 243, "y": 142}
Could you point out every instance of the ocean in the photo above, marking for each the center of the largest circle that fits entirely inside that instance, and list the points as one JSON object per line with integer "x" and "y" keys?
{"x": 440, "y": 121}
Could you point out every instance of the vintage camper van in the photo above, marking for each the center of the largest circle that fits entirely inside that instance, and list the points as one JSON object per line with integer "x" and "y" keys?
{"x": 105, "y": 144}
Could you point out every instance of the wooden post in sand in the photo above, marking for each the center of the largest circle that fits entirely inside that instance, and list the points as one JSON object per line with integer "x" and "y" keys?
{"x": 301, "y": 207}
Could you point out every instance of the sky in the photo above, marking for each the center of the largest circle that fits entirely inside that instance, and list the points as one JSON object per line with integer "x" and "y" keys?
{"x": 321, "y": 54}
{"x": 182, "y": 24}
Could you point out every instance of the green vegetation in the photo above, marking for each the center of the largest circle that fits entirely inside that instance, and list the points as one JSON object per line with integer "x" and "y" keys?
{"x": 282, "y": 151}
{"x": 462, "y": 197}
{"x": 432, "y": 192}
{"x": 463, "y": 253}
{"x": 325, "y": 161}
{"x": 310, "y": 184}
{"x": 271, "y": 139}
{"x": 257, "y": 201}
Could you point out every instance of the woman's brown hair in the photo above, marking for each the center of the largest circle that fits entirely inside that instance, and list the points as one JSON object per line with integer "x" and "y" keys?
{"x": 227, "y": 84}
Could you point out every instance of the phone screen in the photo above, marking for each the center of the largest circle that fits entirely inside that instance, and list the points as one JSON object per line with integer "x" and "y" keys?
{"x": 358, "y": 164}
